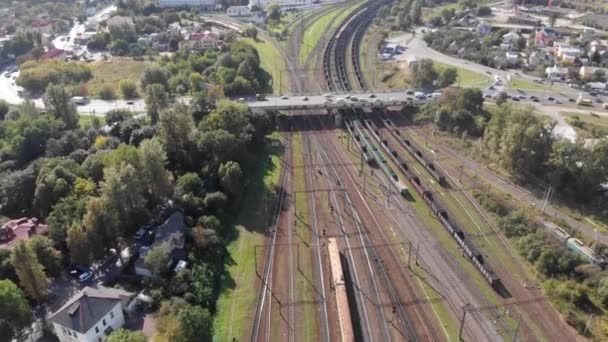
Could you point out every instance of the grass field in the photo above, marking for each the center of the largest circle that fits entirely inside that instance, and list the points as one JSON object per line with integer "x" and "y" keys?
{"x": 271, "y": 61}
{"x": 588, "y": 126}
{"x": 522, "y": 84}
{"x": 235, "y": 306}
{"x": 114, "y": 70}
{"x": 466, "y": 77}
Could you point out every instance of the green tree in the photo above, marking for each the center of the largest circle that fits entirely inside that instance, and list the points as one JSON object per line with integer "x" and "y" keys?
{"x": 196, "y": 82}
{"x": 49, "y": 257}
{"x": 252, "y": 32}
{"x": 416, "y": 12}
{"x": 176, "y": 131}
{"x": 78, "y": 245}
{"x": 15, "y": 312}
{"x": 231, "y": 178}
{"x": 156, "y": 100}
{"x": 155, "y": 76}
{"x": 447, "y": 77}
{"x": 3, "y": 109}
{"x": 274, "y": 12}
{"x": 102, "y": 227}
{"x": 122, "y": 335}
{"x": 107, "y": 92}
{"x": 424, "y": 75}
{"x": 203, "y": 284}
{"x": 128, "y": 89}
{"x": 29, "y": 271}
{"x": 155, "y": 178}
{"x": 157, "y": 260}
{"x": 57, "y": 101}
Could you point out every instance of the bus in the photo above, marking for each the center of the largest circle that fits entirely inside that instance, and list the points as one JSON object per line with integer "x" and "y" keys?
{"x": 80, "y": 100}
{"x": 584, "y": 102}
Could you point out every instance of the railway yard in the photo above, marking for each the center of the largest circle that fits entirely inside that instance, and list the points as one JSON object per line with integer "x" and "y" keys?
{"x": 376, "y": 235}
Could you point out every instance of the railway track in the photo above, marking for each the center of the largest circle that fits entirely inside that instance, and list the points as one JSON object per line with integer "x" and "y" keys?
{"x": 263, "y": 313}
{"x": 316, "y": 239}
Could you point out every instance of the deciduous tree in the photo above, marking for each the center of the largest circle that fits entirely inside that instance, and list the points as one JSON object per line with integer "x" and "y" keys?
{"x": 29, "y": 271}
{"x": 14, "y": 310}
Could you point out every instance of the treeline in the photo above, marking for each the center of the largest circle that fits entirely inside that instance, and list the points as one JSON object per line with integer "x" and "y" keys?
{"x": 35, "y": 76}
{"x": 236, "y": 69}
{"x": 576, "y": 287}
{"x": 524, "y": 144}
{"x": 96, "y": 186}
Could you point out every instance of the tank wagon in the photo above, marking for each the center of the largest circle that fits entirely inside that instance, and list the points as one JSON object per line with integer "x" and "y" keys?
{"x": 378, "y": 158}
{"x": 438, "y": 209}
{"x": 415, "y": 151}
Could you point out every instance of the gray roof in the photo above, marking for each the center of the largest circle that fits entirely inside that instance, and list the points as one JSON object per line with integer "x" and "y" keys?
{"x": 82, "y": 312}
{"x": 174, "y": 224}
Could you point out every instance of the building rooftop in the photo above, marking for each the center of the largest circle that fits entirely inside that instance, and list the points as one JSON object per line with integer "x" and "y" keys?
{"x": 83, "y": 311}
{"x": 20, "y": 229}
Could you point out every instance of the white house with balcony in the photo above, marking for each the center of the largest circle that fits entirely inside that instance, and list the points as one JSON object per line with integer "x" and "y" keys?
{"x": 92, "y": 315}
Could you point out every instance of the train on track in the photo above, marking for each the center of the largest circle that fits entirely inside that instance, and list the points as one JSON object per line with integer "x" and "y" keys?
{"x": 575, "y": 245}
{"x": 338, "y": 283}
{"x": 415, "y": 151}
{"x": 363, "y": 141}
{"x": 468, "y": 247}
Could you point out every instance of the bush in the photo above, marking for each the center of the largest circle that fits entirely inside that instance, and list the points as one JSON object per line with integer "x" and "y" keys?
{"x": 35, "y": 76}
{"x": 128, "y": 89}
{"x": 107, "y": 92}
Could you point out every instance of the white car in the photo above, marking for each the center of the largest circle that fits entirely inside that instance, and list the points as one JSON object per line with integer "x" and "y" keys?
{"x": 340, "y": 100}
{"x": 327, "y": 95}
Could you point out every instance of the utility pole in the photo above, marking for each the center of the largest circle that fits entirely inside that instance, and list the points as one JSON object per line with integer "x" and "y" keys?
{"x": 460, "y": 175}
{"x": 547, "y": 196}
{"x": 417, "y": 249}
{"x": 516, "y": 329}
{"x": 464, "y": 315}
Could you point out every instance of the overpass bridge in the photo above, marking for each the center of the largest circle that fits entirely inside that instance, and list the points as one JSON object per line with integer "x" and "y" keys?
{"x": 337, "y": 101}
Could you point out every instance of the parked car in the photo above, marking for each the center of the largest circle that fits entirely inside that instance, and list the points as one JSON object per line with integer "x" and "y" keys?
{"x": 550, "y": 98}
{"x": 85, "y": 277}
{"x": 284, "y": 97}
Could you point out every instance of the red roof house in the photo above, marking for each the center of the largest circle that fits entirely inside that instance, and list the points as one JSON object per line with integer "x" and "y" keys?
{"x": 20, "y": 229}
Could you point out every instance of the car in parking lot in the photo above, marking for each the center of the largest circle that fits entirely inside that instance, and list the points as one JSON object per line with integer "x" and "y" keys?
{"x": 571, "y": 100}
{"x": 371, "y": 96}
{"x": 550, "y": 98}
{"x": 85, "y": 277}
{"x": 340, "y": 100}
{"x": 130, "y": 102}
{"x": 284, "y": 97}
{"x": 354, "y": 98}
{"x": 487, "y": 96}
{"x": 410, "y": 92}
{"x": 305, "y": 98}
{"x": 514, "y": 98}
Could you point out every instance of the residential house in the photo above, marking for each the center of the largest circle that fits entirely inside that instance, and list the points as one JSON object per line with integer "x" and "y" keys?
{"x": 511, "y": 37}
{"x": 453, "y": 47}
{"x": 566, "y": 52}
{"x": 201, "y": 41}
{"x": 203, "y": 4}
{"x": 540, "y": 56}
{"x": 55, "y": 54}
{"x": 506, "y": 46}
{"x": 92, "y": 315}
{"x": 44, "y": 26}
{"x": 238, "y": 11}
{"x": 544, "y": 36}
{"x": 555, "y": 72}
{"x": 587, "y": 72}
{"x": 596, "y": 86}
{"x": 169, "y": 235}
{"x": 20, "y": 229}
{"x": 512, "y": 58}
{"x": 144, "y": 40}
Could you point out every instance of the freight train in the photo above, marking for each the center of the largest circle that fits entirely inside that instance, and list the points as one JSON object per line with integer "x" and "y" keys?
{"x": 575, "y": 245}
{"x": 439, "y": 210}
{"x": 362, "y": 138}
{"x": 415, "y": 151}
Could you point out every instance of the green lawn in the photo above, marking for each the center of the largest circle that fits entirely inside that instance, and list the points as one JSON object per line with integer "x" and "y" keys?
{"x": 114, "y": 70}
{"x": 272, "y": 61}
{"x": 466, "y": 77}
{"x": 85, "y": 120}
{"x": 236, "y": 303}
{"x": 522, "y": 84}
{"x": 586, "y": 125}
